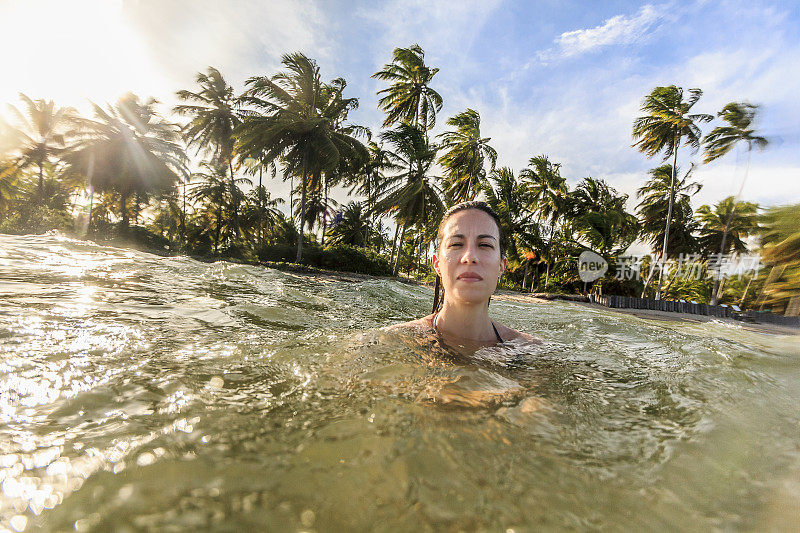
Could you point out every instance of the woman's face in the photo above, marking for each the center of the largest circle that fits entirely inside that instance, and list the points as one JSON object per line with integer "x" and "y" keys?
{"x": 468, "y": 259}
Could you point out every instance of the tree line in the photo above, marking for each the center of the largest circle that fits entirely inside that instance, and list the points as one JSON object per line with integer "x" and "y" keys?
{"x": 135, "y": 164}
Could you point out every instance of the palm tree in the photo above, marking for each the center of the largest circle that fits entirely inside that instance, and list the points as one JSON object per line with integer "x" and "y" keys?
{"x": 412, "y": 196}
{"x": 465, "y": 156}
{"x": 511, "y": 199}
{"x": 213, "y": 119}
{"x": 722, "y": 139}
{"x": 780, "y": 238}
{"x": 740, "y": 117}
{"x": 43, "y": 134}
{"x": 662, "y": 129}
{"x": 211, "y": 189}
{"x": 409, "y": 97}
{"x": 260, "y": 211}
{"x": 129, "y": 149}
{"x": 301, "y": 124}
{"x": 168, "y": 217}
{"x": 656, "y": 196}
{"x": 728, "y": 218}
{"x": 549, "y": 195}
{"x": 351, "y": 226}
{"x": 599, "y": 216}
{"x": 9, "y": 186}
{"x": 373, "y": 177}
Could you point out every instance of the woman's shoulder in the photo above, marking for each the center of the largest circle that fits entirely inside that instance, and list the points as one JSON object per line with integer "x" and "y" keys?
{"x": 510, "y": 334}
{"x": 425, "y": 322}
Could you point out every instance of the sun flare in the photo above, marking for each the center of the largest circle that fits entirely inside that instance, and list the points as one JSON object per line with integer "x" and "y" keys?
{"x": 72, "y": 52}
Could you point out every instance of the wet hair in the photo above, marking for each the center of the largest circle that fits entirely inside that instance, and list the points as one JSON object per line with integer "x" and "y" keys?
{"x": 438, "y": 291}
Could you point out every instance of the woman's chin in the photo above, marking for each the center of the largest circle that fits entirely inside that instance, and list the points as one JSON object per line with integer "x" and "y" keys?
{"x": 471, "y": 295}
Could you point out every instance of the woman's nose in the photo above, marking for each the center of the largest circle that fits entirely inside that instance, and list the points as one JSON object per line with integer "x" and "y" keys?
{"x": 469, "y": 255}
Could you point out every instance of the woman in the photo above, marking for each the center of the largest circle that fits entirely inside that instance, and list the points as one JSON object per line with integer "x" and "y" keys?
{"x": 469, "y": 261}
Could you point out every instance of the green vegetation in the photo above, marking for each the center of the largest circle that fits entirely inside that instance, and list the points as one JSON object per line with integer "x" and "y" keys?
{"x": 131, "y": 175}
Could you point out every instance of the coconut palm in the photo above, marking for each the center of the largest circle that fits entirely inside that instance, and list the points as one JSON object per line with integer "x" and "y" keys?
{"x": 465, "y": 157}
{"x": 739, "y": 117}
{"x": 728, "y": 219}
{"x": 409, "y": 97}
{"x": 213, "y": 118}
{"x": 549, "y": 195}
{"x": 301, "y": 123}
{"x": 412, "y": 196}
{"x": 130, "y": 149}
{"x": 722, "y": 139}
{"x": 168, "y": 218}
{"x": 9, "y": 186}
{"x": 598, "y": 214}
{"x": 655, "y": 197}
{"x": 43, "y": 134}
{"x": 260, "y": 211}
{"x": 212, "y": 190}
{"x": 780, "y": 238}
{"x": 350, "y": 226}
{"x": 511, "y": 198}
{"x": 373, "y": 177}
{"x": 666, "y": 124}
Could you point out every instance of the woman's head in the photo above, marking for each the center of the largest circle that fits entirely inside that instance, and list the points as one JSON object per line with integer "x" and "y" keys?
{"x": 470, "y": 253}
{"x": 480, "y": 206}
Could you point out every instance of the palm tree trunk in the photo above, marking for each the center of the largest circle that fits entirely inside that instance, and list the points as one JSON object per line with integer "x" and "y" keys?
{"x": 123, "y": 201}
{"x": 302, "y": 206}
{"x": 396, "y": 270}
{"x": 234, "y": 201}
{"x": 183, "y": 215}
{"x": 649, "y": 278}
{"x": 260, "y": 208}
{"x": 41, "y": 182}
{"x": 91, "y": 202}
{"x": 549, "y": 245}
{"x": 525, "y": 277}
{"x": 714, "y": 297}
{"x": 136, "y": 201}
{"x": 394, "y": 242}
{"x": 669, "y": 210}
{"x": 672, "y": 279}
{"x": 217, "y": 229}
{"x": 325, "y": 216}
{"x": 291, "y": 196}
{"x": 741, "y": 302}
{"x": 369, "y": 199}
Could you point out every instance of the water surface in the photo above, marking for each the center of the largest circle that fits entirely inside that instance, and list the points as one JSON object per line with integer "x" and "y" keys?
{"x": 147, "y": 393}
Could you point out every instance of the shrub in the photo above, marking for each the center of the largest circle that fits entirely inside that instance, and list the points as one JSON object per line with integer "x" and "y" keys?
{"x": 354, "y": 259}
{"x": 341, "y": 257}
{"x": 38, "y": 219}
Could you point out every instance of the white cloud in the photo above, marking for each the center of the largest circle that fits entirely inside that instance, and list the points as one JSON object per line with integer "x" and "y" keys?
{"x": 614, "y": 31}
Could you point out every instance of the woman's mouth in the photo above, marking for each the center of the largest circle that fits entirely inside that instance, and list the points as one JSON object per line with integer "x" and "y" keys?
{"x": 469, "y": 276}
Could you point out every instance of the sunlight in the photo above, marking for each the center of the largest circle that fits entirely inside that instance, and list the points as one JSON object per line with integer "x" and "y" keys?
{"x": 72, "y": 52}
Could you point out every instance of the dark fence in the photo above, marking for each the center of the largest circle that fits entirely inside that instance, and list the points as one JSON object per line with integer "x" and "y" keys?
{"x": 693, "y": 308}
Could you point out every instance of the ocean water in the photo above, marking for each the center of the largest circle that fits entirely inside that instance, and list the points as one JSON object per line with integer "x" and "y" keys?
{"x": 161, "y": 393}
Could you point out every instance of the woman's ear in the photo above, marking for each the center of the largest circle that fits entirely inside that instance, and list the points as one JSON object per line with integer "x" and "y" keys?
{"x": 435, "y": 262}
{"x": 503, "y": 265}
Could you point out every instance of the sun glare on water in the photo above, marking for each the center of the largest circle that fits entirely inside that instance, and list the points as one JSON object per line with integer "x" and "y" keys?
{"x": 72, "y": 52}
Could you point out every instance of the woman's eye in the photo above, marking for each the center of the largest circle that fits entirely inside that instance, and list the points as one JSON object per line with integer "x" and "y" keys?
{"x": 453, "y": 244}
{"x": 487, "y": 245}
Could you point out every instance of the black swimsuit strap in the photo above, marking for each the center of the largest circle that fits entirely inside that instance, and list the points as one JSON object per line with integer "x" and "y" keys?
{"x": 499, "y": 338}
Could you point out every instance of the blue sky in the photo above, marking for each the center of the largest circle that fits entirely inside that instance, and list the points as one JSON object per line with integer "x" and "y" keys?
{"x": 561, "y": 78}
